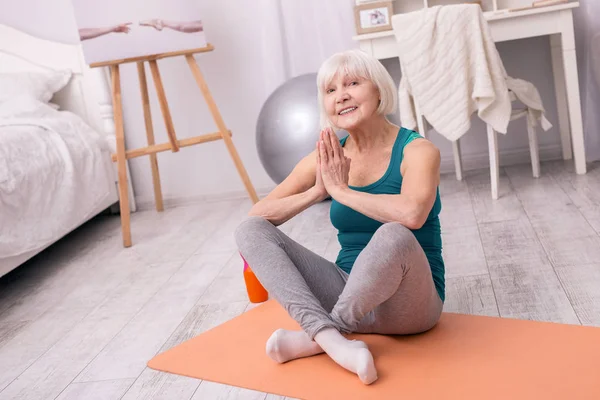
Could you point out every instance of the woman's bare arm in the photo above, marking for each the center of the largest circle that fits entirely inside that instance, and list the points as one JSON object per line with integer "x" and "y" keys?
{"x": 181, "y": 26}
{"x": 295, "y": 194}
{"x": 186, "y": 26}
{"x": 90, "y": 33}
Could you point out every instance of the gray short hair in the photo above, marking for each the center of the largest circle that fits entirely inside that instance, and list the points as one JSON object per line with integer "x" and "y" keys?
{"x": 357, "y": 63}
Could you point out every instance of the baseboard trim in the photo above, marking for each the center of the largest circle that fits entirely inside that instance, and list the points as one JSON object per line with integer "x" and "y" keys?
{"x": 470, "y": 162}
{"x": 145, "y": 203}
{"x": 508, "y": 157}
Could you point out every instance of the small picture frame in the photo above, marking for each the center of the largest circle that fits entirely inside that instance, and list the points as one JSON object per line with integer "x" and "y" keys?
{"x": 373, "y": 17}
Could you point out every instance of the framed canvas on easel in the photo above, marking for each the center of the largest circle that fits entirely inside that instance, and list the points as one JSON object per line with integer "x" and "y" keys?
{"x": 114, "y": 33}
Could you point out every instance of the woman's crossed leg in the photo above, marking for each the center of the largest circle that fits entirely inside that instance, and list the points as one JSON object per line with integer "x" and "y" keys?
{"x": 389, "y": 291}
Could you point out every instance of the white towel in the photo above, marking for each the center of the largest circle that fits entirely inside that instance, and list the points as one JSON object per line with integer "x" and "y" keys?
{"x": 527, "y": 93}
{"x": 451, "y": 67}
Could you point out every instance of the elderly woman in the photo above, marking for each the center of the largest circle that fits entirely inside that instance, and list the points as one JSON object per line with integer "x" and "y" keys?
{"x": 383, "y": 181}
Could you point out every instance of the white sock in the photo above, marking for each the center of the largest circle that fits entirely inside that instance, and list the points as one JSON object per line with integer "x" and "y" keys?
{"x": 284, "y": 346}
{"x": 354, "y": 355}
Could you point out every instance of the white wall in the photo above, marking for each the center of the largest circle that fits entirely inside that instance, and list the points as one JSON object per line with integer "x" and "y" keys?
{"x": 240, "y": 80}
{"x": 48, "y": 20}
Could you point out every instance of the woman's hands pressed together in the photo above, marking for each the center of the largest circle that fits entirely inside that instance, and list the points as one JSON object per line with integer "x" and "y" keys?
{"x": 333, "y": 165}
{"x": 319, "y": 185}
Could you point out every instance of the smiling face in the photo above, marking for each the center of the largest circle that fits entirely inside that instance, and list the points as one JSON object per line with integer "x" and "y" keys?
{"x": 350, "y": 101}
{"x": 354, "y": 88}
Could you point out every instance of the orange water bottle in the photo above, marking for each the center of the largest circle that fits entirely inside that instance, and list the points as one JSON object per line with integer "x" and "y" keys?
{"x": 256, "y": 291}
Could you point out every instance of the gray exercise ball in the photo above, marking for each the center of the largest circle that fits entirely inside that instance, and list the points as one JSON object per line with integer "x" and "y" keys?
{"x": 288, "y": 126}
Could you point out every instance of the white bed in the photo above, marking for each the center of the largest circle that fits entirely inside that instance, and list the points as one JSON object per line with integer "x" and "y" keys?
{"x": 55, "y": 167}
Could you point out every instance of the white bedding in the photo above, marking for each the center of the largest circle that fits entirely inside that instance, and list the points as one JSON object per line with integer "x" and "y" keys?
{"x": 52, "y": 174}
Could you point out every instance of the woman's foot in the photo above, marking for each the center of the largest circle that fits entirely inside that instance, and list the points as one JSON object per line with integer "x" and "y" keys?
{"x": 353, "y": 355}
{"x": 284, "y": 346}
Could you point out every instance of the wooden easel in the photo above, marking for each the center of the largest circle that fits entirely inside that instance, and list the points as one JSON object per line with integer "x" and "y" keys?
{"x": 173, "y": 144}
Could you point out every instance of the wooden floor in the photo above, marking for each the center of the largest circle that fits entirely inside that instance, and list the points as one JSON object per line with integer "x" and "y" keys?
{"x": 81, "y": 320}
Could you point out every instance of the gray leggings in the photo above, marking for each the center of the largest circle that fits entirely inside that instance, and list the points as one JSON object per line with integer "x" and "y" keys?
{"x": 390, "y": 289}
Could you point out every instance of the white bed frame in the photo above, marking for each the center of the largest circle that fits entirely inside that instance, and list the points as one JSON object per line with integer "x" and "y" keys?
{"x": 86, "y": 95}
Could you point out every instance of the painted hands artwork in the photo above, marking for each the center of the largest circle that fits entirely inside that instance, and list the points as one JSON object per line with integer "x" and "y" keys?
{"x": 91, "y": 33}
{"x": 186, "y": 27}
{"x": 158, "y": 24}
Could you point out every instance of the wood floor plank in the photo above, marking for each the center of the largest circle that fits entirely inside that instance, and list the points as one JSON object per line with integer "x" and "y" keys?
{"x": 582, "y": 285}
{"x": 506, "y": 207}
{"x": 457, "y": 211}
{"x": 524, "y": 281}
{"x": 240, "y": 393}
{"x": 35, "y": 339}
{"x": 540, "y": 197}
{"x": 463, "y": 252}
{"x": 573, "y": 251}
{"x": 562, "y": 229}
{"x": 154, "y": 385}
{"x": 50, "y": 374}
{"x": 128, "y": 352}
{"x": 450, "y": 186}
{"x": 178, "y": 236}
{"x": 566, "y": 224}
{"x": 213, "y": 390}
{"x": 290, "y": 225}
{"x": 222, "y": 238}
{"x": 104, "y": 390}
{"x": 307, "y": 218}
{"x": 9, "y": 330}
{"x": 316, "y": 229}
{"x": 48, "y": 278}
{"x": 583, "y": 190}
{"x": 473, "y": 295}
{"x": 531, "y": 290}
{"x": 228, "y": 286}
{"x": 511, "y": 241}
{"x": 276, "y": 397}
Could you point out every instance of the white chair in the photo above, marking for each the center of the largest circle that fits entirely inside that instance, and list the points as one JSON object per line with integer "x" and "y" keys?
{"x": 493, "y": 147}
{"x": 525, "y": 91}
{"x": 492, "y": 136}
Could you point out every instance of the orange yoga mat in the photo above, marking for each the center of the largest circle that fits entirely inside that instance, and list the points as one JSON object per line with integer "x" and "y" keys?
{"x": 463, "y": 357}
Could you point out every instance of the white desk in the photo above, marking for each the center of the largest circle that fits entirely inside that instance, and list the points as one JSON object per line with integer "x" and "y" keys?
{"x": 554, "y": 21}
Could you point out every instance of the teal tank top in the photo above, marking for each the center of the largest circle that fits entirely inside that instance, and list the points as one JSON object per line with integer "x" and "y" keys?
{"x": 355, "y": 229}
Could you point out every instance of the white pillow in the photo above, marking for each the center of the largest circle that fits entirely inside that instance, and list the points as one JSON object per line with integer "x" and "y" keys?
{"x": 39, "y": 85}
{"x": 26, "y": 106}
